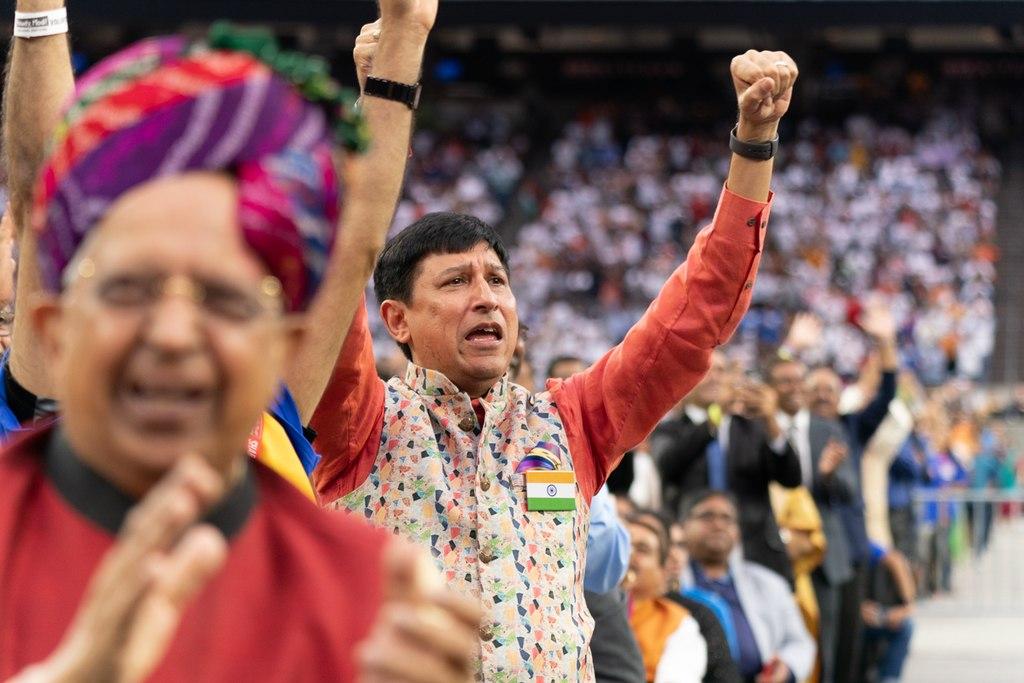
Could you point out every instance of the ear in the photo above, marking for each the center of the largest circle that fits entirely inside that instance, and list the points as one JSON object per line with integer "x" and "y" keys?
{"x": 395, "y": 316}
{"x": 45, "y": 316}
{"x": 294, "y": 332}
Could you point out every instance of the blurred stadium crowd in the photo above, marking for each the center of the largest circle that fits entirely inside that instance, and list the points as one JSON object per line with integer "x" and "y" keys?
{"x": 867, "y": 210}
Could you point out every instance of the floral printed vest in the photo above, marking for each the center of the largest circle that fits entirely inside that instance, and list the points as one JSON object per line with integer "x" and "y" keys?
{"x": 447, "y": 482}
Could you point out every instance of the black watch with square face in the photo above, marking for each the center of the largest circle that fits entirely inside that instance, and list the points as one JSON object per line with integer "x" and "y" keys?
{"x": 409, "y": 95}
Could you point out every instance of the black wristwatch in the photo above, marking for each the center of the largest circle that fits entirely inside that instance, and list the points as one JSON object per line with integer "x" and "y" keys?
{"x": 409, "y": 95}
{"x": 758, "y": 151}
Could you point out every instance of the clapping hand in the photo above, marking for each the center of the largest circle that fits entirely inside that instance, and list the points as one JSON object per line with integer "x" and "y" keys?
{"x": 832, "y": 457}
{"x": 424, "y": 633}
{"x": 136, "y": 598}
{"x": 759, "y": 400}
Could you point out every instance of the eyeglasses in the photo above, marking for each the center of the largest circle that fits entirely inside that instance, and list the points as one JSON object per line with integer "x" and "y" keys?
{"x": 6, "y": 319}
{"x": 709, "y": 516}
{"x": 220, "y": 300}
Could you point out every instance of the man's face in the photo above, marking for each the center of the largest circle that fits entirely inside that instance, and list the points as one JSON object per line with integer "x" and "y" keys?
{"x": 677, "y": 555}
{"x": 146, "y": 368}
{"x": 788, "y": 382}
{"x": 461, "y": 319}
{"x": 712, "y": 530}
{"x": 645, "y": 563}
{"x": 823, "y": 388}
{"x": 711, "y": 388}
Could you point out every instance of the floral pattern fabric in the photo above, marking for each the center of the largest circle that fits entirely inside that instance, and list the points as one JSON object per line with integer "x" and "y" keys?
{"x": 447, "y": 482}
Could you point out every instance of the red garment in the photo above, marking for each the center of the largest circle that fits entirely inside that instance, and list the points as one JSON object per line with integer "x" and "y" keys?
{"x": 611, "y": 406}
{"x": 300, "y": 588}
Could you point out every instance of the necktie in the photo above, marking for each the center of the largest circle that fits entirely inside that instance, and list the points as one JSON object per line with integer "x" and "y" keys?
{"x": 716, "y": 465}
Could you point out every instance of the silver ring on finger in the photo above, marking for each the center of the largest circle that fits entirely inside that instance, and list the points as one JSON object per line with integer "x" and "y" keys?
{"x": 785, "y": 64}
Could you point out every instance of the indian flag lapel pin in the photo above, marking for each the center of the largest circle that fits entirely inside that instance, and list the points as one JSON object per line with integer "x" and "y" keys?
{"x": 550, "y": 490}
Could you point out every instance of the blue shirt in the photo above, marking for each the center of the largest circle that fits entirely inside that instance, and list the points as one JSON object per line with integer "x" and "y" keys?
{"x": 905, "y": 472}
{"x": 8, "y": 422}
{"x": 749, "y": 661}
{"x": 607, "y": 546}
{"x": 944, "y": 470}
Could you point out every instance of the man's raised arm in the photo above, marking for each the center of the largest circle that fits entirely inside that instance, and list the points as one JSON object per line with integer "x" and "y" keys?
{"x": 392, "y": 49}
{"x": 39, "y": 82}
{"x": 764, "y": 87}
{"x": 622, "y": 396}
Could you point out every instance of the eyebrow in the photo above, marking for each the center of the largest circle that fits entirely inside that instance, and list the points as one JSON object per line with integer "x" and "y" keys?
{"x": 493, "y": 265}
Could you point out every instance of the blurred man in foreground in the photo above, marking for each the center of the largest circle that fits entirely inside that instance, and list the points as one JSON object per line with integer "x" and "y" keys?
{"x": 177, "y": 273}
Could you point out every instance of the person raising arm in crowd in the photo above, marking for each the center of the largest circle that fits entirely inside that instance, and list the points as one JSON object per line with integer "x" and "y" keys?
{"x": 495, "y": 481}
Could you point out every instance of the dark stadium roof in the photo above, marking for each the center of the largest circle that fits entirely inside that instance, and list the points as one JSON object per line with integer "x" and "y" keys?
{"x": 751, "y": 13}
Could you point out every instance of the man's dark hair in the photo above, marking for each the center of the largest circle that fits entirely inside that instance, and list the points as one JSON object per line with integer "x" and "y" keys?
{"x": 436, "y": 233}
{"x": 558, "y": 360}
{"x": 697, "y": 497}
{"x": 656, "y": 523}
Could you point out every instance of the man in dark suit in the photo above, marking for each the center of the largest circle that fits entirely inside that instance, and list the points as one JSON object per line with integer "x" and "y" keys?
{"x": 825, "y": 470}
{"x": 727, "y": 438}
{"x": 824, "y": 388}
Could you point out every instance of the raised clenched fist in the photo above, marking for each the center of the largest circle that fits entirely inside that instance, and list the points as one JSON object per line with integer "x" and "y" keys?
{"x": 418, "y": 13}
{"x": 764, "y": 87}
{"x": 364, "y": 51}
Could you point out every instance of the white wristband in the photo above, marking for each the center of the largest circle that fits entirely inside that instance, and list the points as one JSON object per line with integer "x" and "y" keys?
{"x": 40, "y": 24}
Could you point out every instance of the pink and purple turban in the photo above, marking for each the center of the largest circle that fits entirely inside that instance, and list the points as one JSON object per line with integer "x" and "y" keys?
{"x": 166, "y": 106}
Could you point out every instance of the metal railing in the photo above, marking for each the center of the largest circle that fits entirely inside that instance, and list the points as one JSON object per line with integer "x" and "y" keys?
{"x": 971, "y": 551}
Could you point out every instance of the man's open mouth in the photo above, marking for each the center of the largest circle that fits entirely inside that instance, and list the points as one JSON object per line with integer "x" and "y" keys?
{"x": 485, "y": 332}
{"x": 163, "y": 405}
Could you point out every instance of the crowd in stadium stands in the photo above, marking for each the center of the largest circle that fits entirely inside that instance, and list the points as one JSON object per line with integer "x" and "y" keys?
{"x": 866, "y": 211}
{"x": 766, "y": 509}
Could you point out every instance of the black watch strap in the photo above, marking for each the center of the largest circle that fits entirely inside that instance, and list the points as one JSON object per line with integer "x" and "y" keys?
{"x": 409, "y": 95}
{"x": 758, "y": 151}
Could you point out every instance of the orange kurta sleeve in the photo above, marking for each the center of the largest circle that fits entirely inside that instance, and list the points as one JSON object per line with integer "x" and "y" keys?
{"x": 350, "y": 416}
{"x": 614, "y": 404}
